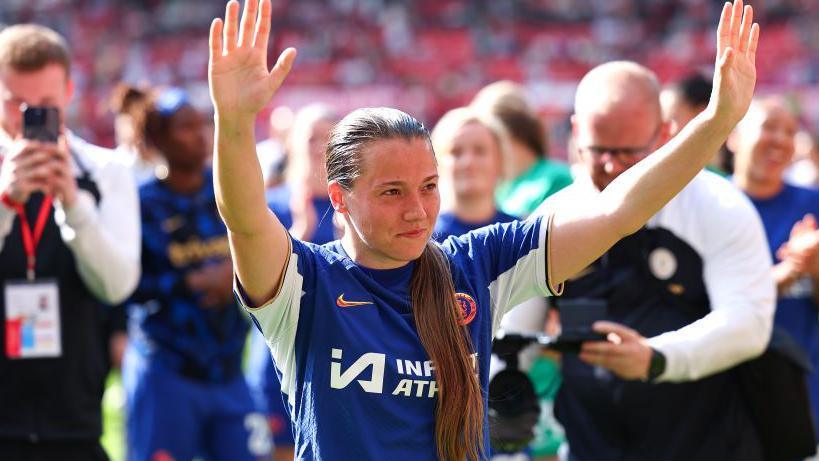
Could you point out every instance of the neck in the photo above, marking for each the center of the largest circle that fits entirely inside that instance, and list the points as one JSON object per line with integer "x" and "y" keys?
{"x": 758, "y": 189}
{"x": 518, "y": 161}
{"x": 474, "y": 210}
{"x": 184, "y": 180}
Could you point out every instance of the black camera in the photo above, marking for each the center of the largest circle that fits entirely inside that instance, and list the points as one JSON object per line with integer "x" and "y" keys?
{"x": 41, "y": 123}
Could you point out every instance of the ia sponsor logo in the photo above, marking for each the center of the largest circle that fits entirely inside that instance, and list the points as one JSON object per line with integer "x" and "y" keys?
{"x": 376, "y": 363}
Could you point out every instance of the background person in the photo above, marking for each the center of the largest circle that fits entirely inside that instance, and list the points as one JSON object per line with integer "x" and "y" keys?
{"x": 764, "y": 146}
{"x": 529, "y": 176}
{"x": 87, "y": 254}
{"x": 185, "y": 393}
{"x": 691, "y": 294}
{"x": 469, "y": 148}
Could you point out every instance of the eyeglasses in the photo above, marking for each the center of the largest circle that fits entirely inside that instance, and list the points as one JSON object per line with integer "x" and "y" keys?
{"x": 622, "y": 154}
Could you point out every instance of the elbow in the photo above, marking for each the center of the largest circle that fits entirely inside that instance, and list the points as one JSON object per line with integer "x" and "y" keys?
{"x": 243, "y": 223}
{"x": 118, "y": 290}
{"x": 759, "y": 328}
{"x": 622, "y": 221}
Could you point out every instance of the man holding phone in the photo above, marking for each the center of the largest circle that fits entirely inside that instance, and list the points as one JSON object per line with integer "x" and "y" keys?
{"x": 686, "y": 298}
{"x": 69, "y": 243}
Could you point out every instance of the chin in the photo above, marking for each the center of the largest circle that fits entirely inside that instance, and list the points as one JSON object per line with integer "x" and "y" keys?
{"x": 406, "y": 252}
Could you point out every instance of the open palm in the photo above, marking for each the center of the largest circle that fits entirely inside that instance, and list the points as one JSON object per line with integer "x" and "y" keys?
{"x": 240, "y": 83}
{"x": 735, "y": 75}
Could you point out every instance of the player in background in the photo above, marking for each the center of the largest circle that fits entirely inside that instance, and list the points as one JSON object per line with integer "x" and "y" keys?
{"x": 185, "y": 392}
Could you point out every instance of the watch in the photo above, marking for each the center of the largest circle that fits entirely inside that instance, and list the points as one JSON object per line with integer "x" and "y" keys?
{"x": 656, "y": 366}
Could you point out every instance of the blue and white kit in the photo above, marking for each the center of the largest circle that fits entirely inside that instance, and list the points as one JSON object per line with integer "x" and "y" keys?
{"x": 358, "y": 382}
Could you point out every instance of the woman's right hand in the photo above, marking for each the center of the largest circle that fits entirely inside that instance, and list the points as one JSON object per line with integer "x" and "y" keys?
{"x": 240, "y": 84}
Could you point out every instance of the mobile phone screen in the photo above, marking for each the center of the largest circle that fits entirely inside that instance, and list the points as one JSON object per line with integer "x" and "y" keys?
{"x": 581, "y": 313}
{"x": 41, "y": 123}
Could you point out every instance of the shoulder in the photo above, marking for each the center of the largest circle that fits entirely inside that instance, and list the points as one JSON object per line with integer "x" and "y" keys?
{"x": 570, "y": 195}
{"x": 711, "y": 213}
{"x": 809, "y": 198}
{"x": 99, "y": 160}
{"x": 501, "y": 217}
{"x": 712, "y": 196}
{"x": 556, "y": 167}
{"x": 151, "y": 189}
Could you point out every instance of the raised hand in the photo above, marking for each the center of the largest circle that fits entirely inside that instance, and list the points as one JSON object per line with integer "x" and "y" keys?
{"x": 240, "y": 83}
{"x": 735, "y": 73}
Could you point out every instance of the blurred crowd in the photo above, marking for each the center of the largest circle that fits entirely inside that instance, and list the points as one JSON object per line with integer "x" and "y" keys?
{"x": 503, "y": 148}
{"x": 422, "y": 56}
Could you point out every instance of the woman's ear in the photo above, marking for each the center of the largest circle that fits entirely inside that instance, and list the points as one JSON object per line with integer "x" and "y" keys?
{"x": 336, "y": 193}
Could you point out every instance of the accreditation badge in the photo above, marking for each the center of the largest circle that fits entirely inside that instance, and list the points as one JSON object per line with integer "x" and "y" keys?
{"x": 32, "y": 319}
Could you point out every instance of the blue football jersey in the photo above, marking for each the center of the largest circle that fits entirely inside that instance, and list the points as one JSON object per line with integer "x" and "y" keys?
{"x": 358, "y": 381}
{"x": 795, "y": 307}
{"x": 182, "y": 233}
{"x": 448, "y": 224}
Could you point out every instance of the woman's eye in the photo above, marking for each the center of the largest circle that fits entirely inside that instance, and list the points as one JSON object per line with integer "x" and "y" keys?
{"x": 430, "y": 186}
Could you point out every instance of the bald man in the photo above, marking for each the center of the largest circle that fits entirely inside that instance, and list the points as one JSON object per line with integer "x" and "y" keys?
{"x": 689, "y": 296}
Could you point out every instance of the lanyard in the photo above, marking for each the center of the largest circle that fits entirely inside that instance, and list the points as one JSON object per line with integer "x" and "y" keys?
{"x": 32, "y": 239}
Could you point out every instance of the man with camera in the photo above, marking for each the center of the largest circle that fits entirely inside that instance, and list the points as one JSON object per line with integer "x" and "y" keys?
{"x": 685, "y": 298}
{"x": 69, "y": 243}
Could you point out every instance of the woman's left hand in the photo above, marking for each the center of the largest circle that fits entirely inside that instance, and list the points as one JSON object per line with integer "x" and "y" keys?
{"x": 735, "y": 72}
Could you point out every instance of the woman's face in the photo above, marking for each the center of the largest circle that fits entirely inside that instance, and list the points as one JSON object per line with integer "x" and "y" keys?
{"x": 472, "y": 162}
{"x": 185, "y": 144}
{"x": 766, "y": 143}
{"x": 391, "y": 210}
{"x": 316, "y": 143}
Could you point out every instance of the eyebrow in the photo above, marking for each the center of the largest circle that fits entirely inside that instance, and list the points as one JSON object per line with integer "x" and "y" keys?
{"x": 401, "y": 183}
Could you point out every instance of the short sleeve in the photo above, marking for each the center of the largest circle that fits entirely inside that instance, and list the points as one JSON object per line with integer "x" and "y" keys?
{"x": 278, "y": 318}
{"x": 511, "y": 259}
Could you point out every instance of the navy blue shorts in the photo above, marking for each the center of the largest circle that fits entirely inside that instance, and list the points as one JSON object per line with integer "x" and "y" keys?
{"x": 171, "y": 417}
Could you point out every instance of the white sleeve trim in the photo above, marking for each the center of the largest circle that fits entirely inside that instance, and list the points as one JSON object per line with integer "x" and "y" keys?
{"x": 278, "y": 319}
{"x": 517, "y": 285}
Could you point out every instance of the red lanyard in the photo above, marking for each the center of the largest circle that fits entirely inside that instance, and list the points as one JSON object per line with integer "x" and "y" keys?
{"x": 31, "y": 240}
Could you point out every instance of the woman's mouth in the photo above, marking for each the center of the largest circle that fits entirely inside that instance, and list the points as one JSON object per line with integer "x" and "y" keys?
{"x": 413, "y": 234}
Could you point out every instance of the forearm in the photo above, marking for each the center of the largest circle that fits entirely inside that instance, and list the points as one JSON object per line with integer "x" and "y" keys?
{"x": 722, "y": 339}
{"x": 107, "y": 263}
{"x": 639, "y": 193}
{"x": 238, "y": 177}
{"x": 600, "y": 220}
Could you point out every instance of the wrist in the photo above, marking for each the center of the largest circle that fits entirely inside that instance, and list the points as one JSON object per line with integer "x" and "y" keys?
{"x": 656, "y": 366}
{"x": 228, "y": 123}
{"x": 8, "y": 202}
{"x": 720, "y": 124}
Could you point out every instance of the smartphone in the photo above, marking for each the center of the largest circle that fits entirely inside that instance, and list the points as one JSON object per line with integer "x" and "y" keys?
{"x": 576, "y": 319}
{"x": 41, "y": 123}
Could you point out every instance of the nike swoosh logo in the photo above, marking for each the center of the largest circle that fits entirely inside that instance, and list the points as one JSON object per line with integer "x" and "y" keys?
{"x": 340, "y": 302}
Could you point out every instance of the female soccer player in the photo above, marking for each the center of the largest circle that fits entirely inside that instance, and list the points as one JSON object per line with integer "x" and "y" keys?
{"x": 186, "y": 396}
{"x": 382, "y": 339}
{"x": 469, "y": 148}
{"x": 303, "y": 207}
